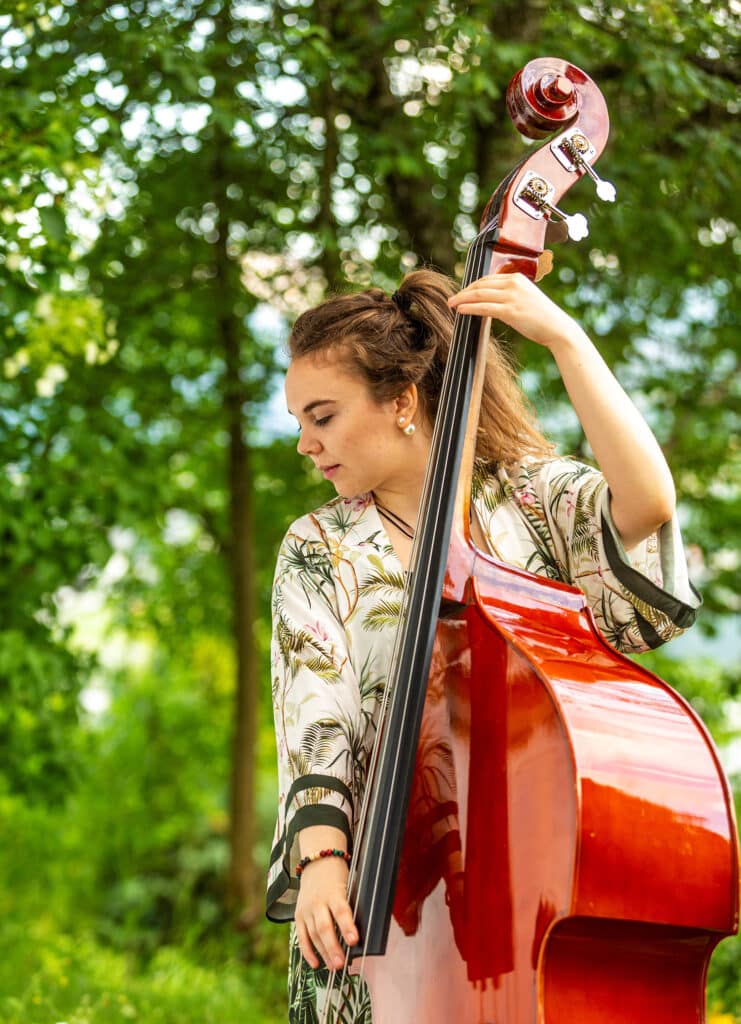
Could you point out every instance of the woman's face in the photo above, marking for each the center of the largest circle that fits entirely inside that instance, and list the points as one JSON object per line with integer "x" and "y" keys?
{"x": 355, "y": 441}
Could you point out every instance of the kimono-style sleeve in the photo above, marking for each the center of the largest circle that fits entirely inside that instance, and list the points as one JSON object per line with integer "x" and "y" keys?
{"x": 315, "y": 702}
{"x": 640, "y": 599}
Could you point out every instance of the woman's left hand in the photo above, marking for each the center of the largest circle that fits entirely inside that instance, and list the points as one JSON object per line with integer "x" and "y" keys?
{"x": 641, "y": 486}
{"x": 516, "y": 301}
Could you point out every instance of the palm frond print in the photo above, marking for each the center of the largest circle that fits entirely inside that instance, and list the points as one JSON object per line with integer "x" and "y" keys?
{"x": 340, "y": 517}
{"x": 303, "y": 765}
{"x": 300, "y": 649}
{"x": 493, "y": 497}
{"x": 302, "y": 987}
{"x": 659, "y": 620}
{"x": 299, "y": 763}
{"x": 338, "y": 594}
{"x": 543, "y": 562}
{"x": 583, "y": 539}
{"x": 370, "y": 680}
{"x": 308, "y": 993}
{"x": 322, "y": 667}
{"x": 584, "y": 536}
{"x": 317, "y": 741}
{"x": 382, "y": 581}
{"x": 382, "y": 614}
{"x": 307, "y": 558}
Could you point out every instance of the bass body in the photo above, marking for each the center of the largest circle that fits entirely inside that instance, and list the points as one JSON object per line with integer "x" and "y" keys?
{"x": 570, "y": 851}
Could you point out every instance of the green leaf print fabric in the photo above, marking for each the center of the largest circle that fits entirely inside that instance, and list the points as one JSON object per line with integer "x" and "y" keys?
{"x": 336, "y": 598}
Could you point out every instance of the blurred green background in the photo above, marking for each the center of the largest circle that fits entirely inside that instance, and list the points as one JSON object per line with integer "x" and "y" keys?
{"x": 179, "y": 180}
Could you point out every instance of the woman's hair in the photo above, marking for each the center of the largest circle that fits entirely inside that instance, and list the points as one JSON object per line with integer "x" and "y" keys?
{"x": 395, "y": 342}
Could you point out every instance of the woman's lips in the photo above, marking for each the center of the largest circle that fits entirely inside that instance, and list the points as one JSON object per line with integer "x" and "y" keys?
{"x": 329, "y": 471}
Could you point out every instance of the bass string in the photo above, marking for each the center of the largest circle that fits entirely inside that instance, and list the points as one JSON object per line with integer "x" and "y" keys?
{"x": 458, "y": 373}
{"x": 344, "y": 987}
{"x": 394, "y": 669}
{"x": 380, "y": 744}
{"x": 475, "y": 264}
{"x": 391, "y": 692}
{"x": 396, "y": 695}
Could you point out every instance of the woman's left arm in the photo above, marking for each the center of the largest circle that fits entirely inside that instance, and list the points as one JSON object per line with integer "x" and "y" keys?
{"x": 641, "y": 486}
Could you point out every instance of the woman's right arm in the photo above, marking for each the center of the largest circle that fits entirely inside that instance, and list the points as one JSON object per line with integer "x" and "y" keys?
{"x": 322, "y": 905}
{"x": 318, "y": 725}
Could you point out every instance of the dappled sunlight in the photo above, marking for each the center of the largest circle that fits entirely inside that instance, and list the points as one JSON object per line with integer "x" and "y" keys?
{"x": 180, "y": 180}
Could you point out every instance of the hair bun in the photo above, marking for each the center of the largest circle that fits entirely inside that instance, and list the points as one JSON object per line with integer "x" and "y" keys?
{"x": 403, "y": 300}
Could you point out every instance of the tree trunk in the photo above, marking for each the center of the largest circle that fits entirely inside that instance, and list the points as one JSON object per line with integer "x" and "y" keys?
{"x": 242, "y": 880}
{"x": 242, "y": 884}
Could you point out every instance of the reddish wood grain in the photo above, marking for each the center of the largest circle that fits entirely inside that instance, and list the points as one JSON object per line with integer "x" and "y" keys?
{"x": 570, "y": 851}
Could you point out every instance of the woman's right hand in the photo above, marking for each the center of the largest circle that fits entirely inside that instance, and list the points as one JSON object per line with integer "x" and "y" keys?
{"x": 322, "y": 907}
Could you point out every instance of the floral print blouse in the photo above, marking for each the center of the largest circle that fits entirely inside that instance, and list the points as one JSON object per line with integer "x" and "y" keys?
{"x": 336, "y": 599}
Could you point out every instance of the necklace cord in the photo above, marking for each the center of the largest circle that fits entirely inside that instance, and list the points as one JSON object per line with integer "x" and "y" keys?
{"x": 401, "y": 524}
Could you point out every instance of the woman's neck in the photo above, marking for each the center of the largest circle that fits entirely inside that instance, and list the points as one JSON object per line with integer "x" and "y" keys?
{"x": 401, "y": 491}
{"x": 402, "y": 495}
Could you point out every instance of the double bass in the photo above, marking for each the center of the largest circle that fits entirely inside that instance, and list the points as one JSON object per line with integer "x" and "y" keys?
{"x": 547, "y": 836}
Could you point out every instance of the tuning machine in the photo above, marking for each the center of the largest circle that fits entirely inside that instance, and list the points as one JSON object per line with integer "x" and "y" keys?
{"x": 573, "y": 150}
{"x": 534, "y": 197}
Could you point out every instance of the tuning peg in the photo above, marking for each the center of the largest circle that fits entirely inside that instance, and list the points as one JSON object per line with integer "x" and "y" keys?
{"x": 605, "y": 189}
{"x": 575, "y": 150}
{"x": 555, "y": 232}
{"x": 576, "y": 223}
{"x": 533, "y": 196}
{"x": 545, "y": 264}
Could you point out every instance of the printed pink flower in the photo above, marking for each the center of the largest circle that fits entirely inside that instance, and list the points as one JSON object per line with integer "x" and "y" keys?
{"x": 317, "y": 630}
{"x": 358, "y": 503}
{"x": 526, "y": 495}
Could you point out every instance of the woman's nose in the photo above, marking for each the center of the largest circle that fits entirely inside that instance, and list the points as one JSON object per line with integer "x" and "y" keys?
{"x": 308, "y": 444}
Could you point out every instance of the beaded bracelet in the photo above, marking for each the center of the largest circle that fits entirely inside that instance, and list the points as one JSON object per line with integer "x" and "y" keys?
{"x": 317, "y": 856}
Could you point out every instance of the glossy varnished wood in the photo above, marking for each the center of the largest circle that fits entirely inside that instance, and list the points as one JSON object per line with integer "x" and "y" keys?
{"x": 570, "y": 851}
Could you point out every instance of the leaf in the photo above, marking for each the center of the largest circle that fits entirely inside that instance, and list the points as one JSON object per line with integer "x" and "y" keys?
{"x": 53, "y": 223}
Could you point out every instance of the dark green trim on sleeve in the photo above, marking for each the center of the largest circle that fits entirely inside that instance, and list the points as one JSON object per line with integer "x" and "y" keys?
{"x": 315, "y": 814}
{"x": 312, "y": 781}
{"x": 280, "y": 913}
{"x": 315, "y": 781}
{"x": 312, "y": 814}
{"x": 681, "y": 614}
{"x": 650, "y": 637}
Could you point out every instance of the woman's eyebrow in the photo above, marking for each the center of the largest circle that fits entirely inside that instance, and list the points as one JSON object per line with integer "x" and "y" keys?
{"x": 314, "y": 404}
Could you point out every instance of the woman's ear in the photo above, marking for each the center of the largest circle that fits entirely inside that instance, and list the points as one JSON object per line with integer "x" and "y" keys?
{"x": 406, "y": 404}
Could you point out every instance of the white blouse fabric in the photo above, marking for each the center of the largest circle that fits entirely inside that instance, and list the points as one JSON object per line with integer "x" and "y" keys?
{"x": 336, "y": 599}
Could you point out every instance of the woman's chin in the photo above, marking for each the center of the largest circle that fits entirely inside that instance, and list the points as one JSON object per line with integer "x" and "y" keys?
{"x": 346, "y": 490}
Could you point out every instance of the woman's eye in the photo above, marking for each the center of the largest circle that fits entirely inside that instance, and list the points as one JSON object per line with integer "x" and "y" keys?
{"x": 322, "y": 422}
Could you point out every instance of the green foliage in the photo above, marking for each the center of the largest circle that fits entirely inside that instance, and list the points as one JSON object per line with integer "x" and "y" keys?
{"x": 39, "y": 686}
{"x": 65, "y": 326}
{"x": 724, "y": 978}
{"x": 154, "y": 800}
{"x": 96, "y": 891}
{"x": 47, "y": 975}
{"x": 169, "y": 172}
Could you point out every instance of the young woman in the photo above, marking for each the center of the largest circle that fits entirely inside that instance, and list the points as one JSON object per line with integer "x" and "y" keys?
{"x": 363, "y": 383}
